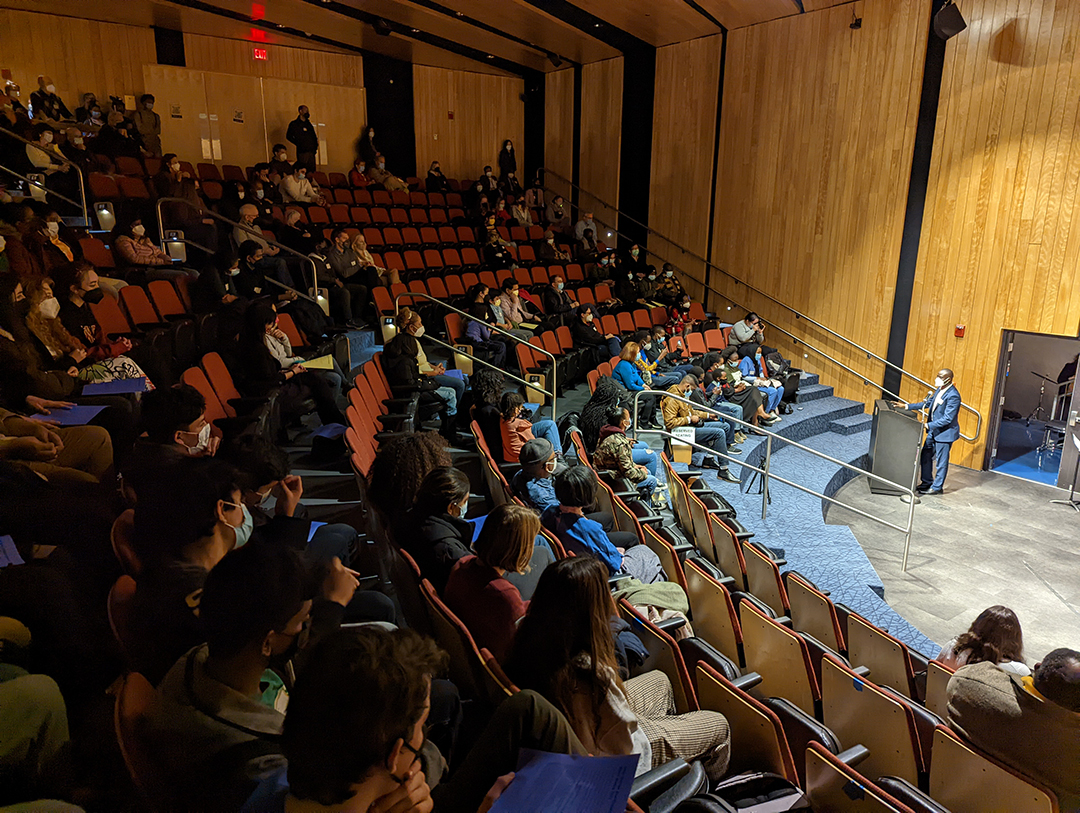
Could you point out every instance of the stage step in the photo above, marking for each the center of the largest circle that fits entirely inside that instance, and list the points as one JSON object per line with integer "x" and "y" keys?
{"x": 851, "y": 425}
{"x": 809, "y": 379}
{"x": 813, "y": 392}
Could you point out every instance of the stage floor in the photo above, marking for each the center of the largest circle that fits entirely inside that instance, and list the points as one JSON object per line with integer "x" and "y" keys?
{"x": 1018, "y": 443}
{"x": 990, "y": 539}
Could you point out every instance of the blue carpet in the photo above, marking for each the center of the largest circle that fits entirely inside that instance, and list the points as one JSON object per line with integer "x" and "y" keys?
{"x": 1017, "y": 455}
{"x": 829, "y": 555}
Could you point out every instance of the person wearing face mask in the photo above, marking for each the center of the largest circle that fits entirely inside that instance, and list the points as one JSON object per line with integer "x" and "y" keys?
{"x": 942, "y": 410}
{"x": 280, "y": 165}
{"x": 45, "y": 105}
{"x": 350, "y": 298}
{"x": 615, "y": 452}
{"x": 557, "y": 215}
{"x": 75, "y": 150}
{"x": 148, "y": 125}
{"x": 437, "y": 533}
{"x": 233, "y": 197}
{"x": 365, "y": 147}
{"x": 436, "y": 181}
{"x": 296, "y": 188}
{"x": 358, "y": 178}
{"x": 709, "y": 430}
{"x": 12, "y": 93}
{"x": 558, "y": 303}
{"x": 507, "y": 159}
{"x": 515, "y": 308}
{"x": 82, "y": 112}
{"x": 517, "y": 430}
{"x": 550, "y": 252}
{"x": 271, "y": 263}
{"x": 50, "y": 243}
{"x": 44, "y": 154}
{"x": 520, "y": 214}
{"x": 409, "y": 321}
{"x": 261, "y": 174}
{"x": 301, "y": 134}
{"x": 216, "y": 725}
{"x": 753, "y": 370}
{"x": 376, "y": 274}
{"x": 679, "y": 321}
{"x": 534, "y": 195}
{"x": 381, "y": 175}
{"x": 256, "y": 196}
{"x": 669, "y": 290}
{"x": 294, "y": 234}
{"x": 510, "y": 187}
{"x": 487, "y": 183}
{"x": 136, "y": 252}
{"x": 585, "y": 334}
{"x": 502, "y": 217}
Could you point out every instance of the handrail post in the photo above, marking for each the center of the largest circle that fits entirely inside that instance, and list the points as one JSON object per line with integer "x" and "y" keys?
{"x": 765, "y": 477}
{"x": 911, "y": 503}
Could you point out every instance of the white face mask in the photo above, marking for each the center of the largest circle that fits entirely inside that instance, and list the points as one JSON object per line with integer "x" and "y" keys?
{"x": 95, "y": 114}
{"x": 149, "y": 105}
{"x": 78, "y": 140}
{"x": 669, "y": 274}
{"x": 360, "y": 169}
{"x": 201, "y": 442}
{"x": 259, "y": 194}
{"x": 419, "y": 332}
{"x": 53, "y": 228}
{"x": 240, "y": 195}
{"x": 51, "y": 88}
{"x": 551, "y": 465}
{"x": 50, "y": 308}
{"x": 138, "y": 230}
{"x": 382, "y": 165}
{"x": 48, "y": 137}
{"x": 652, "y": 276}
{"x": 939, "y": 382}
{"x": 234, "y": 271}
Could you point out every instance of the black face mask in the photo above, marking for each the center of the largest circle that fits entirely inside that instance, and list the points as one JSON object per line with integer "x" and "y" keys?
{"x": 93, "y": 296}
{"x": 22, "y": 307}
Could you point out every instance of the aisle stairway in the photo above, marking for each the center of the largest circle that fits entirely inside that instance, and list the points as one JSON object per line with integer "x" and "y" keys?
{"x": 795, "y": 525}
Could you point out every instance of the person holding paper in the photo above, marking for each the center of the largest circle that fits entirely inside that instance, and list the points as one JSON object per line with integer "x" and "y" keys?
{"x": 515, "y": 308}
{"x": 565, "y": 650}
{"x": 280, "y": 347}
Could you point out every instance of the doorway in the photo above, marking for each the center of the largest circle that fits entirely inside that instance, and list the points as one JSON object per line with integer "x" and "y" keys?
{"x": 1034, "y": 431}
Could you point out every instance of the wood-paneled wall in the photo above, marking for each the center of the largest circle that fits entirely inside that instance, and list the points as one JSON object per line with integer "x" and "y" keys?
{"x": 684, "y": 136}
{"x": 296, "y": 64}
{"x": 1000, "y": 244}
{"x": 486, "y": 110}
{"x": 601, "y": 135}
{"x": 81, "y": 56}
{"x": 559, "y": 128}
{"x": 816, "y": 144}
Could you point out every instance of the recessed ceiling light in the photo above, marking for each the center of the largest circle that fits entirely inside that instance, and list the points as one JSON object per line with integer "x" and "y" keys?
{"x": 460, "y": 13}
{"x": 596, "y": 25}
{"x": 491, "y": 56}
{"x": 415, "y": 30}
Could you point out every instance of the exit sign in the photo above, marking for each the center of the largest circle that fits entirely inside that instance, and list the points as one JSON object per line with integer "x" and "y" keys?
{"x": 260, "y": 53}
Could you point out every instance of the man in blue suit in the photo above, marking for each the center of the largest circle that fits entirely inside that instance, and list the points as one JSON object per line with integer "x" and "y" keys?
{"x": 942, "y": 430}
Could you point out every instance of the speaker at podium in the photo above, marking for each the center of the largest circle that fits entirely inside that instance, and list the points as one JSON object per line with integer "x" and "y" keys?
{"x": 895, "y": 444}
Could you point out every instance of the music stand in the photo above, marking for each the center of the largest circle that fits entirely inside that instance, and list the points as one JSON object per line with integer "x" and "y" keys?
{"x": 1040, "y": 409}
{"x": 1072, "y": 489}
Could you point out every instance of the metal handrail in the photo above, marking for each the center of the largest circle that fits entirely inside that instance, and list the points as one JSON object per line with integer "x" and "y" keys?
{"x": 496, "y": 329}
{"x": 766, "y": 473}
{"x": 64, "y": 160}
{"x": 40, "y": 186}
{"x": 798, "y": 314}
{"x": 233, "y": 223}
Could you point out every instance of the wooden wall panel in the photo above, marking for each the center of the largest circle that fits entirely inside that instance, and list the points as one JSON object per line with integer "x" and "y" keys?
{"x": 188, "y": 134}
{"x": 1000, "y": 243}
{"x": 237, "y": 124}
{"x": 816, "y": 144}
{"x": 298, "y": 64}
{"x": 559, "y": 128}
{"x": 684, "y": 140}
{"x": 338, "y": 113}
{"x": 486, "y": 109}
{"x": 601, "y": 135}
{"x": 81, "y": 56}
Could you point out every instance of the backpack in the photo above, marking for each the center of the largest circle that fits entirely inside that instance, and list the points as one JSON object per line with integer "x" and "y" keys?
{"x": 776, "y": 364}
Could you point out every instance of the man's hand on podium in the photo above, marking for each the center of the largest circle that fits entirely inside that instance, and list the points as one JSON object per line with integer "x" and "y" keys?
{"x": 899, "y": 404}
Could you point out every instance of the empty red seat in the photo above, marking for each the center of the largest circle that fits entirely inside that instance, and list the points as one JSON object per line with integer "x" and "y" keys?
{"x": 212, "y": 189}
{"x": 410, "y": 236}
{"x": 166, "y": 300}
{"x": 320, "y": 178}
{"x": 447, "y": 236}
{"x": 451, "y": 258}
{"x": 435, "y": 285}
{"x": 338, "y": 180}
{"x": 465, "y": 234}
{"x": 231, "y": 172}
{"x": 392, "y": 237}
{"x": 428, "y": 236}
{"x": 526, "y": 254}
{"x": 418, "y": 199}
{"x": 131, "y": 187}
{"x": 96, "y": 252}
{"x": 128, "y": 165}
{"x": 437, "y": 216}
{"x": 454, "y": 286}
{"x": 103, "y": 187}
{"x": 418, "y": 216}
{"x": 363, "y": 198}
{"x": 436, "y": 200}
{"x": 380, "y": 216}
{"x": 432, "y": 260}
{"x": 399, "y": 198}
{"x": 373, "y": 236}
{"x": 413, "y": 261}
{"x": 318, "y": 216}
{"x": 342, "y": 196}
{"x": 208, "y": 172}
{"x": 470, "y": 258}
{"x": 140, "y": 309}
{"x": 522, "y": 276}
{"x": 382, "y": 198}
{"x": 339, "y": 213}
{"x": 359, "y": 214}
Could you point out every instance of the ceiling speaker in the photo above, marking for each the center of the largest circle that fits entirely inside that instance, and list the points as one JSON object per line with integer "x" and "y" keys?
{"x": 949, "y": 21}
{"x": 382, "y": 28}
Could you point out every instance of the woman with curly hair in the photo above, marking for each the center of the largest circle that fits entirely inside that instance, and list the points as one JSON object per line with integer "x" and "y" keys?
{"x": 487, "y": 390}
{"x": 594, "y": 416}
{"x": 399, "y": 468}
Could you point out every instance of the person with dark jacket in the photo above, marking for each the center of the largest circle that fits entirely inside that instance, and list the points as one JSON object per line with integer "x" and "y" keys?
{"x": 438, "y": 533}
{"x": 550, "y": 252}
{"x": 365, "y": 147}
{"x": 507, "y": 159}
{"x": 585, "y": 335}
{"x": 301, "y": 134}
{"x": 400, "y": 360}
{"x": 436, "y": 181}
{"x": 558, "y": 306}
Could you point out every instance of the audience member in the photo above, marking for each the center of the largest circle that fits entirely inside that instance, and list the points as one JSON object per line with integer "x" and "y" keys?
{"x": 358, "y": 178}
{"x": 534, "y": 195}
{"x": 35, "y": 748}
{"x": 487, "y": 183}
{"x": 557, "y": 304}
{"x": 380, "y": 175}
{"x": 409, "y": 321}
{"x": 1030, "y": 723}
{"x": 365, "y": 147}
{"x": 296, "y": 188}
{"x": 45, "y": 105}
{"x": 515, "y": 310}
{"x": 487, "y": 391}
{"x": 549, "y": 252}
{"x": 376, "y": 274}
{"x": 993, "y": 637}
{"x": 747, "y": 335}
{"x": 507, "y": 159}
{"x": 487, "y": 345}
{"x": 517, "y": 430}
{"x": 280, "y": 165}
{"x": 400, "y": 467}
{"x": 61, "y": 454}
{"x": 148, "y": 125}
{"x": 737, "y": 391}
{"x": 771, "y": 389}
{"x": 437, "y": 532}
{"x": 627, "y": 374}
{"x": 502, "y": 217}
{"x": 716, "y": 437}
{"x": 557, "y": 215}
{"x": 615, "y": 451}
{"x": 401, "y": 361}
{"x": 136, "y": 252}
{"x": 679, "y": 319}
{"x": 476, "y": 591}
{"x": 585, "y": 334}
{"x": 510, "y": 187}
{"x": 564, "y": 649}
{"x": 669, "y": 291}
{"x": 586, "y": 222}
{"x": 114, "y": 139}
{"x": 436, "y": 181}
{"x": 575, "y": 489}
{"x": 301, "y": 134}
{"x": 82, "y": 112}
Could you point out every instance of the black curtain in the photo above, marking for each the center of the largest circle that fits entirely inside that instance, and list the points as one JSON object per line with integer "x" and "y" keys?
{"x": 389, "y": 87}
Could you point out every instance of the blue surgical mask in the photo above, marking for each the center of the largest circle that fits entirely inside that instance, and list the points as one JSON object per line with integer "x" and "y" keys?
{"x": 558, "y": 286}
{"x": 757, "y": 355}
{"x": 244, "y": 529}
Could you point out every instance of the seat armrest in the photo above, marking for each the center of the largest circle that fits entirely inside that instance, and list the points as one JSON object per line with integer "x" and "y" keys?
{"x": 861, "y": 671}
{"x": 669, "y": 625}
{"x": 654, "y": 520}
{"x": 853, "y": 755}
{"x": 652, "y": 783}
{"x": 748, "y": 681}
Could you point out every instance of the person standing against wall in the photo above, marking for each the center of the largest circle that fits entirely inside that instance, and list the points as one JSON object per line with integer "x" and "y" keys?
{"x": 301, "y": 134}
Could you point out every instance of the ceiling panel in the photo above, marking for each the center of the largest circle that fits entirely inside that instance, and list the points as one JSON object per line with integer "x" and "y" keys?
{"x": 657, "y": 22}
{"x": 740, "y": 13}
{"x": 525, "y": 21}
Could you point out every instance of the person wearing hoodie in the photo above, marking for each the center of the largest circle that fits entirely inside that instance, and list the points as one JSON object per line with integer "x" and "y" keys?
{"x": 616, "y": 452}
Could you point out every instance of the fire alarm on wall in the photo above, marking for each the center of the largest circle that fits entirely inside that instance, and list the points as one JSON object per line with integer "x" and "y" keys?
{"x": 960, "y": 331}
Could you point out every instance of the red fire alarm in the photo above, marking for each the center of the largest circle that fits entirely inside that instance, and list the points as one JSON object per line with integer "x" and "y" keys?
{"x": 259, "y": 54}
{"x": 959, "y": 331}
{"x": 450, "y": 115}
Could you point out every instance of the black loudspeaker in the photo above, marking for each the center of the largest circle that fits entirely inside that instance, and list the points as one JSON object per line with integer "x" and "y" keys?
{"x": 949, "y": 21}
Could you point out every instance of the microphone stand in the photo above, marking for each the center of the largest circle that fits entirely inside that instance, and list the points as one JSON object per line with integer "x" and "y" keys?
{"x": 1075, "y": 503}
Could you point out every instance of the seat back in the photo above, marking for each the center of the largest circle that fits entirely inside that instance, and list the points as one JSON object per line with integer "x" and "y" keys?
{"x": 763, "y": 579}
{"x": 677, "y": 491}
{"x": 780, "y": 656}
{"x": 121, "y": 611}
{"x": 592, "y": 377}
{"x": 758, "y": 742}
{"x": 642, "y": 320}
{"x": 134, "y": 698}
{"x": 221, "y": 380}
{"x": 610, "y": 324}
{"x": 967, "y": 781}
{"x": 729, "y": 553}
{"x": 96, "y": 253}
{"x": 695, "y": 344}
{"x": 861, "y": 713}
{"x": 110, "y": 317}
{"x": 121, "y": 537}
{"x": 831, "y": 785}
{"x": 715, "y": 619}
{"x": 699, "y": 528}
{"x": 665, "y": 552}
{"x": 195, "y": 377}
{"x": 812, "y": 612}
{"x": 625, "y": 322}
{"x": 166, "y": 300}
{"x": 139, "y": 308}
{"x": 937, "y": 681}
{"x": 405, "y": 574}
{"x": 664, "y": 655}
{"x": 885, "y": 656}
{"x": 714, "y": 339}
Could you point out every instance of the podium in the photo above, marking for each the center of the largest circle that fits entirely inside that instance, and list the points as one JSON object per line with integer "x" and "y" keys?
{"x": 895, "y": 445}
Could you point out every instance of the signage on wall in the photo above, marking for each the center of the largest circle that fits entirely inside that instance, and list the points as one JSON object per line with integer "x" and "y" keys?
{"x": 238, "y": 116}
{"x": 174, "y": 111}
{"x": 259, "y": 54}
